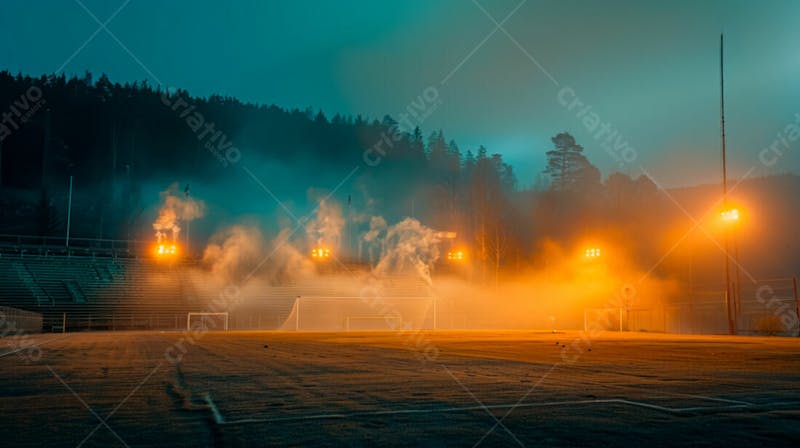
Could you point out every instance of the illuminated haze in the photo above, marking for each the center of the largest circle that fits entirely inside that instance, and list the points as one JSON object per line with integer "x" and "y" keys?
{"x": 650, "y": 69}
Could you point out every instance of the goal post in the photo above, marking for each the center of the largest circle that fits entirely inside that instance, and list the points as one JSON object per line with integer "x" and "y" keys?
{"x": 349, "y": 313}
{"x": 203, "y": 316}
{"x": 602, "y": 319}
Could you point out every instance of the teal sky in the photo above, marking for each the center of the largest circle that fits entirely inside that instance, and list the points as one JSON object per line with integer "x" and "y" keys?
{"x": 648, "y": 69}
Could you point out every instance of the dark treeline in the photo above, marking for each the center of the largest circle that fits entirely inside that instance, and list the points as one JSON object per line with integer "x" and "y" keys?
{"x": 117, "y": 138}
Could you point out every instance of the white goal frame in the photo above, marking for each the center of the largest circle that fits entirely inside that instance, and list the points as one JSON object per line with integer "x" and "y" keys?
{"x": 300, "y": 299}
{"x": 189, "y": 318}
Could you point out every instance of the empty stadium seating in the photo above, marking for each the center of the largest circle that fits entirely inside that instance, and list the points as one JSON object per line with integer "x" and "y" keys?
{"x": 107, "y": 293}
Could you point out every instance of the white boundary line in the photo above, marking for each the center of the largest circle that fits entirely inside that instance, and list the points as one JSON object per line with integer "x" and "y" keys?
{"x": 220, "y": 420}
{"x": 40, "y": 344}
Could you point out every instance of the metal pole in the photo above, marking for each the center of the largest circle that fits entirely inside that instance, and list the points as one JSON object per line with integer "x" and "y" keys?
{"x": 187, "y": 237}
{"x": 186, "y": 192}
{"x": 796, "y": 303}
{"x": 434, "y": 311}
{"x": 722, "y": 116}
{"x": 64, "y": 322}
{"x": 738, "y": 281}
{"x": 69, "y": 210}
{"x": 731, "y": 327}
{"x": 585, "y": 320}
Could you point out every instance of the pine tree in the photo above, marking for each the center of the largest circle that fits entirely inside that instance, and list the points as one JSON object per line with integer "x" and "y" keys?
{"x": 568, "y": 168}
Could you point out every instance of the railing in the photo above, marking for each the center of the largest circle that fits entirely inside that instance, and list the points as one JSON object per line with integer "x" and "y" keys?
{"x": 51, "y": 245}
{"x": 13, "y": 320}
{"x": 126, "y": 321}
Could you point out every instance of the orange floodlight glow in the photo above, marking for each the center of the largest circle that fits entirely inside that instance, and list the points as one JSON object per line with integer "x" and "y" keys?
{"x": 592, "y": 252}
{"x": 731, "y": 215}
{"x": 456, "y": 256}
{"x": 166, "y": 250}
{"x": 320, "y": 253}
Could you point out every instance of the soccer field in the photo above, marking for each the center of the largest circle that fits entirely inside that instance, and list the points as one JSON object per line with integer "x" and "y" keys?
{"x": 398, "y": 389}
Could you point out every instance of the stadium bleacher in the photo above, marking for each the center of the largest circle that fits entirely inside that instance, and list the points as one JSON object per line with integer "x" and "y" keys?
{"x": 76, "y": 293}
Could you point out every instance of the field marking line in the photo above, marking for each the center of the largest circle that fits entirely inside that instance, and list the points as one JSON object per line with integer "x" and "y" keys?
{"x": 113, "y": 411}
{"x": 516, "y": 404}
{"x": 676, "y": 410}
{"x": 498, "y": 422}
{"x": 220, "y": 420}
{"x": 102, "y": 422}
{"x": 667, "y": 393}
{"x": 42, "y": 344}
{"x": 704, "y": 397}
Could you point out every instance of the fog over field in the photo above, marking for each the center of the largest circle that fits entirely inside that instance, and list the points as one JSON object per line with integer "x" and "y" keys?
{"x": 482, "y": 223}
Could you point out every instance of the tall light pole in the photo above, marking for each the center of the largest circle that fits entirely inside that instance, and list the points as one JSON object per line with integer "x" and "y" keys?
{"x": 69, "y": 213}
{"x": 186, "y": 192}
{"x": 731, "y": 326}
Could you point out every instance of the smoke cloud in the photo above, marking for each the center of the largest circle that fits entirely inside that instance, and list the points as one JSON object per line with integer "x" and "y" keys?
{"x": 409, "y": 246}
{"x": 234, "y": 250}
{"x": 566, "y": 291}
{"x": 175, "y": 209}
{"x": 325, "y": 229}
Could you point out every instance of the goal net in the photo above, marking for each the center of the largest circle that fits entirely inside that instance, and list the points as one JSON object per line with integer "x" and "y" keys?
{"x": 767, "y": 307}
{"x": 315, "y": 313}
{"x": 603, "y": 319}
{"x": 207, "y": 321}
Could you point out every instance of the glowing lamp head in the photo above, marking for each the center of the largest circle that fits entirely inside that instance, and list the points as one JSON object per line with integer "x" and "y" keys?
{"x": 166, "y": 250}
{"x": 731, "y": 215}
{"x": 592, "y": 252}
{"x": 320, "y": 253}
{"x": 456, "y": 256}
